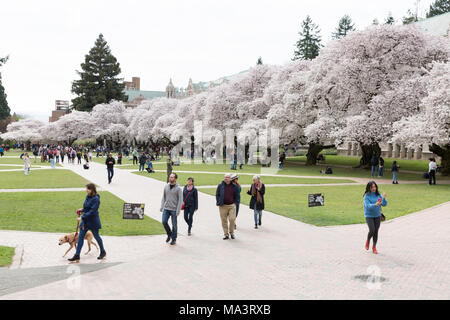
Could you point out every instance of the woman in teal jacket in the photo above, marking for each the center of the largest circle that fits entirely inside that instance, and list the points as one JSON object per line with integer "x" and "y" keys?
{"x": 373, "y": 201}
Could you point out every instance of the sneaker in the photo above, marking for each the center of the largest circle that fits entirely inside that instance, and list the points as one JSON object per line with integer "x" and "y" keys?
{"x": 232, "y": 236}
{"x": 256, "y": 226}
{"x": 173, "y": 242}
{"x": 102, "y": 255}
{"x": 226, "y": 237}
{"x": 259, "y": 222}
{"x": 168, "y": 238}
{"x": 75, "y": 258}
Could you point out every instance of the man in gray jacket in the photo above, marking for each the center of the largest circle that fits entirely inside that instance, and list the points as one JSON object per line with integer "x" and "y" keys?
{"x": 170, "y": 207}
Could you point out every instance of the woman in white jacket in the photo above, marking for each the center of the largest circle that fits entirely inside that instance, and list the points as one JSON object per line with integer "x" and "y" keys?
{"x": 27, "y": 163}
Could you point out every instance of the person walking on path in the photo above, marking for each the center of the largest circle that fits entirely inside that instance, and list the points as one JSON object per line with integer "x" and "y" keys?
{"x": 190, "y": 202}
{"x": 394, "y": 170}
{"x": 169, "y": 168}
{"x": 235, "y": 181}
{"x": 110, "y": 162}
{"x": 27, "y": 164}
{"x": 432, "y": 167}
{"x": 381, "y": 166}
{"x": 142, "y": 161}
{"x": 227, "y": 195}
{"x": 90, "y": 220}
{"x": 171, "y": 202}
{"x": 374, "y": 166}
{"x": 373, "y": 202}
{"x": 257, "y": 192}
{"x": 135, "y": 157}
{"x": 51, "y": 156}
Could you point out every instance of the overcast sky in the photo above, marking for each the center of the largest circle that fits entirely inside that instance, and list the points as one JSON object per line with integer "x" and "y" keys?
{"x": 157, "y": 40}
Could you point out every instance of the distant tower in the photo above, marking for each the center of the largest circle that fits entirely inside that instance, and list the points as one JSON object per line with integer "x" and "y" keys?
{"x": 190, "y": 88}
{"x": 170, "y": 90}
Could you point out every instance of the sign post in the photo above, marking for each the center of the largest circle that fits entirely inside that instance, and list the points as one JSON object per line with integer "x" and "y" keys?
{"x": 133, "y": 211}
{"x": 316, "y": 200}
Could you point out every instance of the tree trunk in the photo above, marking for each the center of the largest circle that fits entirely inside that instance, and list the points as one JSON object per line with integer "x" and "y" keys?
{"x": 444, "y": 153}
{"x": 313, "y": 151}
{"x": 368, "y": 150}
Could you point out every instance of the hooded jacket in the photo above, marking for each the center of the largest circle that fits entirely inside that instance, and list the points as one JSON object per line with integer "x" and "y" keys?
{"x": 90, "y": 218}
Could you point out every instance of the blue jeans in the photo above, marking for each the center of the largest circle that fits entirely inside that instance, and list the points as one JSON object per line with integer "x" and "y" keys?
{"x": 188, "y": 216}
{"x": 165, "y": 221}
{"x": 381, "y": 172}
{"x": 110, "y": 174}
{"x": 374, "y": 171}
{"x": 257, "y": 214}
{"x": 81, "y": 239}
{"x": 394, "y": 176}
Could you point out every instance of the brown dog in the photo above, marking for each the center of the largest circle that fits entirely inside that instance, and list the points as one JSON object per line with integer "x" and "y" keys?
{"x": 72, "y": 240}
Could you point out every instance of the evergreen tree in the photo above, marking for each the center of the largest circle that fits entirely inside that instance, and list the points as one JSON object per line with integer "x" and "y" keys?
{"x": 390, "y": 19}
{"x": 259, "y": 61}
{"x": 5, "y": 112}
{"x": 438, "y": 7}
{"x": 99, "y": 81}
{"x": 345, "y": 26}
{"x": 308, "y": 45}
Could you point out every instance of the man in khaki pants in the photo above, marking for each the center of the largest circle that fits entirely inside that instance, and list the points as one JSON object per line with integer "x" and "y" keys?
{"x": 227, "y": 195}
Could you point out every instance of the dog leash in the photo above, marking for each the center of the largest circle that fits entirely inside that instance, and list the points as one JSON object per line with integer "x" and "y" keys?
{"x": 78, "y": 224}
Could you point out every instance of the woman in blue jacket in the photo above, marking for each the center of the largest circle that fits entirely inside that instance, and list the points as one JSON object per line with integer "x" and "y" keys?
{"x": 90, "y": 220}
{"x": 373, "y": 201}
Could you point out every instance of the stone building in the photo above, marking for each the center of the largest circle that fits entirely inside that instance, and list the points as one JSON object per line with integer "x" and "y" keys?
{"x": 195, "y": 88}
{"x": 136, "y": 95}
{"x": 61, "y": 109}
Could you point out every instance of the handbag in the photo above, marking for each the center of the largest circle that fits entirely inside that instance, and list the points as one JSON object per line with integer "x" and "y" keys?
{"x": 382, "y": 218}
{"x": 182, "y": 206}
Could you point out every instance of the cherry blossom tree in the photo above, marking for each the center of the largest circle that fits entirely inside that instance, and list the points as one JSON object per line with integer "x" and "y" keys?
{"x": 351, "y": 72}
{"x": 24, "y": 131}
{"x": 432, "y": 124}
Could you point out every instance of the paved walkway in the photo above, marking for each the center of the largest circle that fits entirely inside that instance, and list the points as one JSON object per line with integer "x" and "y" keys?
{"x": 285, "y": 259}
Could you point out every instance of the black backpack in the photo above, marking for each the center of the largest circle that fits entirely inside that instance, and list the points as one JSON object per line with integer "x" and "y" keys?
{"x": 328, "y": 170}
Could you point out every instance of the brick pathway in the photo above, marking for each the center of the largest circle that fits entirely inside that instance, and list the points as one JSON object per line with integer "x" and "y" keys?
{"x": 285, "y": 259}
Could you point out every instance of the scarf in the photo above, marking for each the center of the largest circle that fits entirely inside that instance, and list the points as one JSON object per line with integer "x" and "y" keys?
{"x": 255, "y": 189}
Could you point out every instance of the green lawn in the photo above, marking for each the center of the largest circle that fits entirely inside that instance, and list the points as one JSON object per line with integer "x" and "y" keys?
{"x": 9, "y": 167}
{"x": 56, "y": 212}
{"x": 344, "y": 204}
{"x": 20, "y": 161}
{"x": 6, "y": 256}
{"x": 405, "y": 164}
{"x": 125, "y": 161}
{"x": 290, "y": 168}
{"x": 208, "y": 179}
{"x": 38, "y": 179}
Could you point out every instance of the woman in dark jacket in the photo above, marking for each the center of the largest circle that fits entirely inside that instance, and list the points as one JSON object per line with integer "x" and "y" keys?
{"x": 190, "y": 202}
{"x": 90, "y": 220}
{"x": 257, "y": 200}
